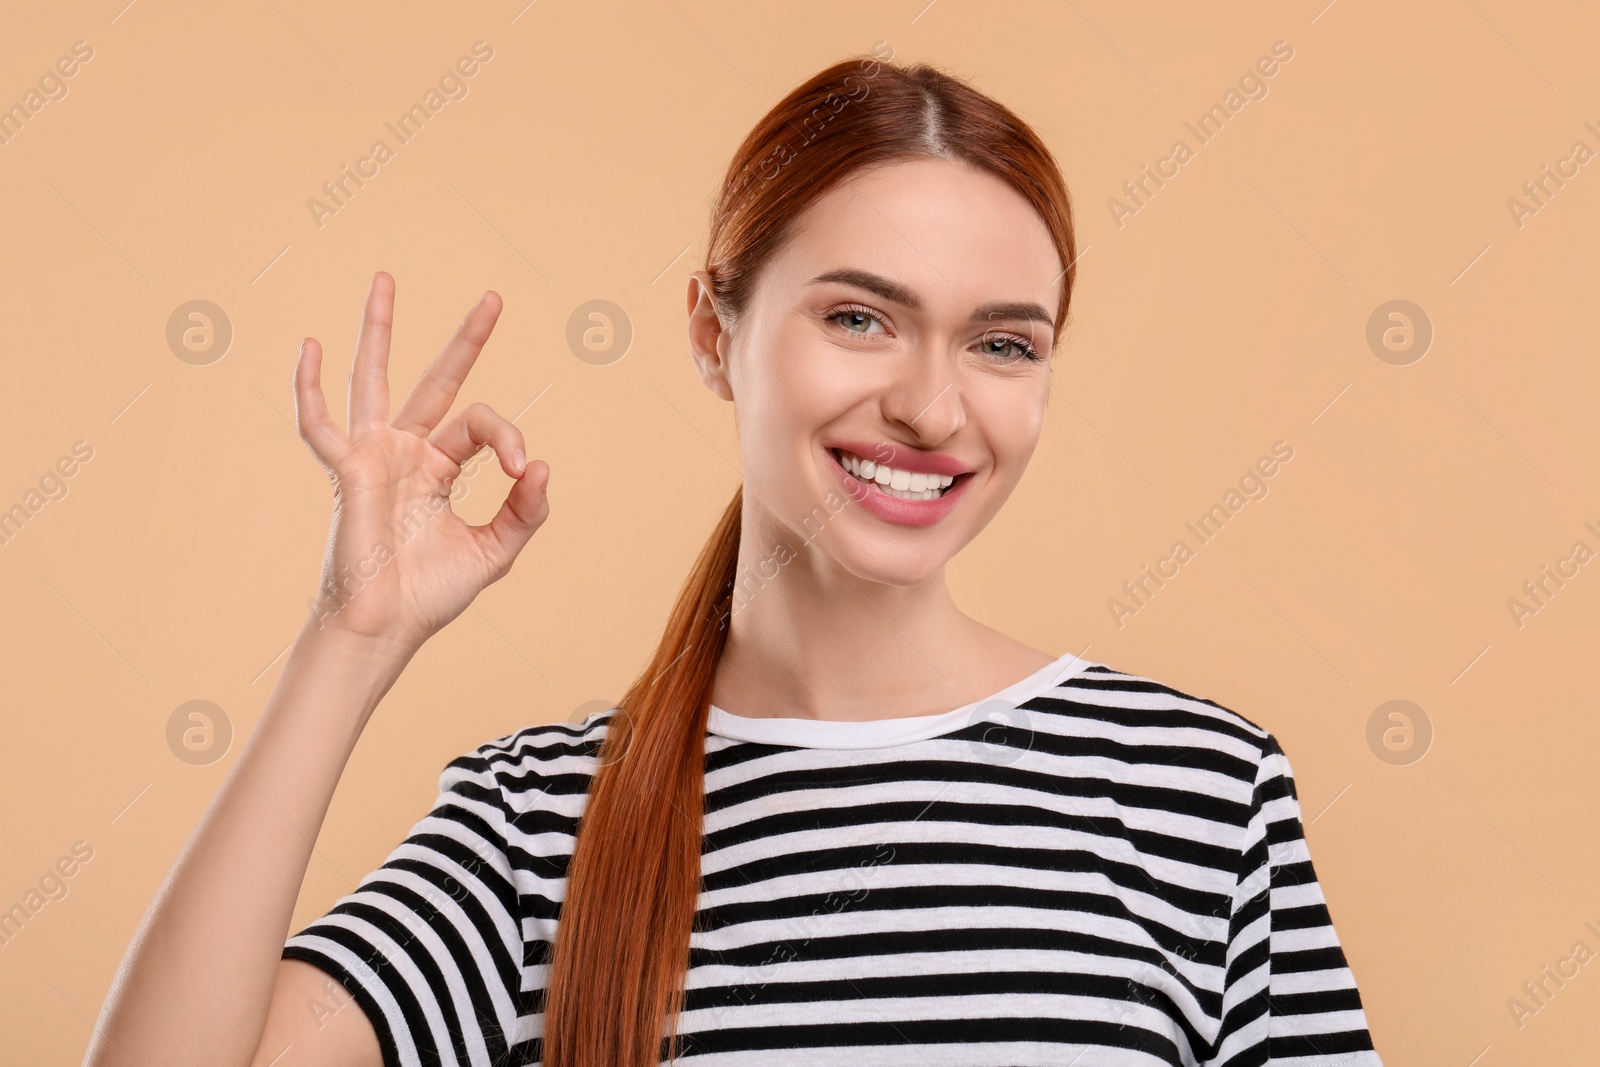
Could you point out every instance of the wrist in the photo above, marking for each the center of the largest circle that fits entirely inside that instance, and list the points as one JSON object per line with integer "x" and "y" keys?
{"x": 340, "y": 677}
{"x": 384, "y": 656}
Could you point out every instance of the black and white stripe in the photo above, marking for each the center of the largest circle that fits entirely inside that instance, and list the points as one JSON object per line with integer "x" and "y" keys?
{"x": 1115, "y": 874}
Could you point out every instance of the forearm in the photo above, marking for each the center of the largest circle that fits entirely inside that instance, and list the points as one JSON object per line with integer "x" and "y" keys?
{"x": 197, "y": 980}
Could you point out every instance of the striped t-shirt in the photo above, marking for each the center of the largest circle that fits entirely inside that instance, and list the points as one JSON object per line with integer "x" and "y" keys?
{"x": 1088, "y": 868}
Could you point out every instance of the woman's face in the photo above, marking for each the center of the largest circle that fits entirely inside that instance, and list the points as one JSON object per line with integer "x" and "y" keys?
{"x": 894, "y": 327}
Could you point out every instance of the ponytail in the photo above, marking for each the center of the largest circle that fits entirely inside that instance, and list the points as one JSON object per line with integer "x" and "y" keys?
{"x": 623, "y": 935}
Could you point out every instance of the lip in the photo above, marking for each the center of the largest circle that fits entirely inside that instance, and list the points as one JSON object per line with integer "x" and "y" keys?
{"x": 893, "y": 509}
{"x": 903, "y": 458}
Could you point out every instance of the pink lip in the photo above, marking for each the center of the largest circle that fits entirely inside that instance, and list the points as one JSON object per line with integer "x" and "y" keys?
{"x": 902, "y": 458}
{"x": 894, "y": 509}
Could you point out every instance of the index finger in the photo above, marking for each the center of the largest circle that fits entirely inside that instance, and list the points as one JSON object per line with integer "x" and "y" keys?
{"x": 436, "y": 389}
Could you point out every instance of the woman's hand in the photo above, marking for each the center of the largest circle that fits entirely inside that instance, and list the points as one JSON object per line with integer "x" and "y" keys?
{"x": 399, "y": 563}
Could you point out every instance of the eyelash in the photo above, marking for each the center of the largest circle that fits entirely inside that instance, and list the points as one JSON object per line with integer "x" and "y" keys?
{"x": 1029, "y": 353}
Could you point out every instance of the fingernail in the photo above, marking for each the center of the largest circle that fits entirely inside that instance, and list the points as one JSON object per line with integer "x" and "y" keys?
{"x": 518, "y": 461}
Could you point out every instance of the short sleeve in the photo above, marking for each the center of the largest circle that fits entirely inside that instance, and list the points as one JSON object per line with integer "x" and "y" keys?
{"x": 430, "y": 944}
{"x": 1289, "y": 996}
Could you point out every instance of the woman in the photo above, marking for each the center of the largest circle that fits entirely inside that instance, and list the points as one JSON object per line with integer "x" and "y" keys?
{"x": 835, "y": 819}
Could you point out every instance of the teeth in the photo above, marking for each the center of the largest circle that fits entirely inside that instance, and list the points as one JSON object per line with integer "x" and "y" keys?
{"x": 907, "y": 485}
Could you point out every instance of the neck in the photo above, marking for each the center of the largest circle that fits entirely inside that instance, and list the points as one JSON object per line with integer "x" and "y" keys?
{"x": 807, "y": 639}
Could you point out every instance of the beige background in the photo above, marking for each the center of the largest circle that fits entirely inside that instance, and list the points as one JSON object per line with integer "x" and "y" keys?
{"x": 1228, "y": 313}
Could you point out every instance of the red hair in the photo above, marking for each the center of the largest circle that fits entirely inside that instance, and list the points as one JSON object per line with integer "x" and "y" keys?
{"x": 620, "y": 959}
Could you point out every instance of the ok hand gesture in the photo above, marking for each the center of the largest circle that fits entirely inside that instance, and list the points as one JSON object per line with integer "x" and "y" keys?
{"x": 399, "y": 563}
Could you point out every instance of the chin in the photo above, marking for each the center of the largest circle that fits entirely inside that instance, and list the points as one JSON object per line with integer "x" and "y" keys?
{"x": 887, "y": 563}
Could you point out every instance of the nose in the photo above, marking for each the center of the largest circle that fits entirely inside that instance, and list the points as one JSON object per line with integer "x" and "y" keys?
{"x": 926, "y": 398}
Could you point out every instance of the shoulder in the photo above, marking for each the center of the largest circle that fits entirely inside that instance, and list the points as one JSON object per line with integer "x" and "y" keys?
{"x": 534, "y": 766}
{"x": 1133, "y": 697}
{"x": 1143, "y": 713}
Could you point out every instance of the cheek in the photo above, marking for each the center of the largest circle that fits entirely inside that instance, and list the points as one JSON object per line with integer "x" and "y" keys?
{"x": 1012, "y": 421}
{"x": 798, "y": 390}
{"x": 780, "y": 407}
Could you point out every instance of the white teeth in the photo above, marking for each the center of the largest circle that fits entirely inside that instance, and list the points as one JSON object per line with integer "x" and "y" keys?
{"x": 907, "y": 485}
{"x": 906, "y": 494}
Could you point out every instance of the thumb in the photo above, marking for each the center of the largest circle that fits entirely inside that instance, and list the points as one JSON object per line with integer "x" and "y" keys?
{"x": 522, "y": 512}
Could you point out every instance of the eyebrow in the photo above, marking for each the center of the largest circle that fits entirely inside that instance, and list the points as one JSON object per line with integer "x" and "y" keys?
{"x": 892, "y": 290}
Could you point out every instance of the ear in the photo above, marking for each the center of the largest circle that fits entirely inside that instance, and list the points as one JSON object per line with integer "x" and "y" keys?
{"x": 708, "y": 340}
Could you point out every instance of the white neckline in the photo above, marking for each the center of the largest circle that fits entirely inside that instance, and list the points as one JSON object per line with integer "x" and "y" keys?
{"x": 876, "y": 733}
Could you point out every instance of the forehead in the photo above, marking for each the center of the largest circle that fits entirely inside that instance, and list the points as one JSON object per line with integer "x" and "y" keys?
{"x": 955, "y": 233}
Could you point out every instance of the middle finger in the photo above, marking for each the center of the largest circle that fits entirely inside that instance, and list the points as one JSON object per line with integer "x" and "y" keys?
{"x": 436, "y": 389}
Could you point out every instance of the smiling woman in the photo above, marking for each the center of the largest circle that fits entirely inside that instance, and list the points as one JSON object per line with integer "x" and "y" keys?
{"x": 802, "y": 836}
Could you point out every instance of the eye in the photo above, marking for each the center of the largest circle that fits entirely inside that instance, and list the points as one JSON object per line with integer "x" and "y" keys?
{"x": 852, "y": 316}
{"x": 995, "y": 344}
